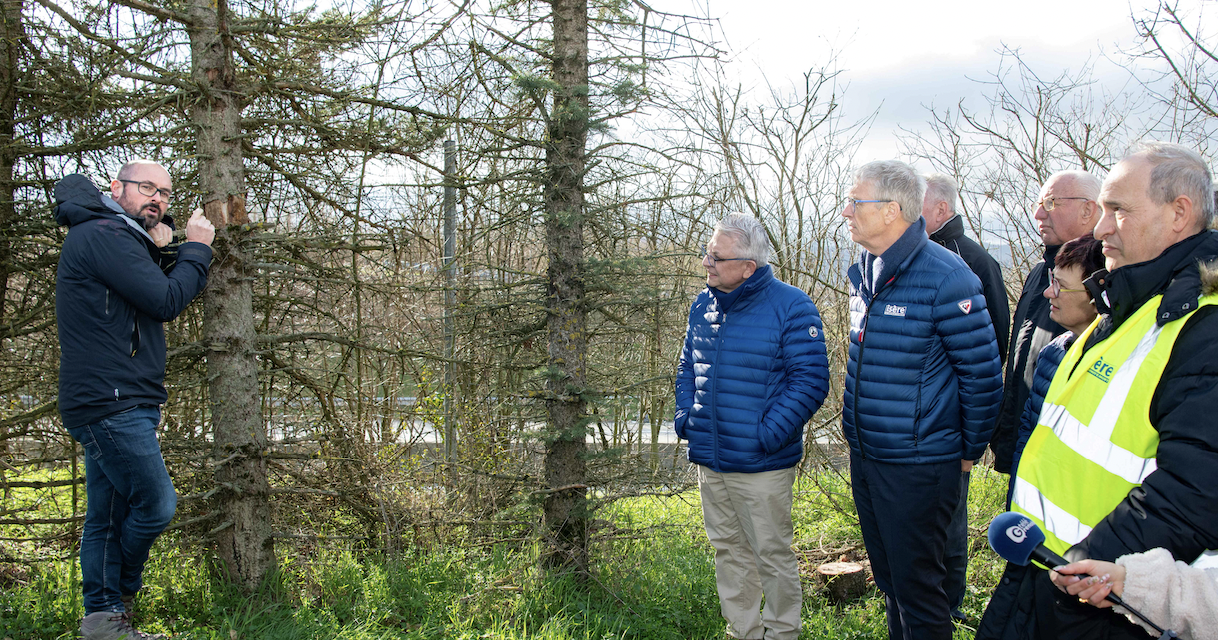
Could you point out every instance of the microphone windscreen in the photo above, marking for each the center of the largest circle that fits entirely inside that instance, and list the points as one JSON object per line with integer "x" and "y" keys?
{"x": 1014, "y": 537}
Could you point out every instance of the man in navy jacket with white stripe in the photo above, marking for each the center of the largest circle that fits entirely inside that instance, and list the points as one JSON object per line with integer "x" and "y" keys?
{"x": 922, "y": 388}
{"x": 752, "y": 372}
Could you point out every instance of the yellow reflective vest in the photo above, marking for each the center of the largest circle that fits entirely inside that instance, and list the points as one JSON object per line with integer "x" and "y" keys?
{"x": 1093, "y": 441}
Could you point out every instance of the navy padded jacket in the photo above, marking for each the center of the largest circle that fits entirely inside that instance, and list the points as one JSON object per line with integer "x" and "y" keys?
{"x": 111, "y": 298}
{"x": 923, "y": 380}
{"x": 751, "y": 377}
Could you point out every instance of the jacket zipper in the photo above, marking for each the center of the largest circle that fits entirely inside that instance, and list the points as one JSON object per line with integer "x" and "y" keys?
{"x": 858, "y": 378}
{"x": 715, "y": 381}
{"x": 858, "y": 371}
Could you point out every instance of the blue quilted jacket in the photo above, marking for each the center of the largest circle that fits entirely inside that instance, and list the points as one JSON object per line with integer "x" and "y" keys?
{"x": 923, "y": 380}
{"x": 750, "y": 376}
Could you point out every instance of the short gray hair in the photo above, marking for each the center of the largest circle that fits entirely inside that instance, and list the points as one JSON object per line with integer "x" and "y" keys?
{"x": 942, "y": 188}
{"x": 1178, "y": 171}
{"x": 894, "y": 180}
{"x": 1088, "y": 184}
{"x": 752, "y": 241}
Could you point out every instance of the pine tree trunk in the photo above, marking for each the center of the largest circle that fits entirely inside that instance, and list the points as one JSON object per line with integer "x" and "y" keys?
{"x": 12, "y": 32}
{"x": 244, "y": 543}
{"x": 12, "y": 36}
{"x": 566, "y": 505}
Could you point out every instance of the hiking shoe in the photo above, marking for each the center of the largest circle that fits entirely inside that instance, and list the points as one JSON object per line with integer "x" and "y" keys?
{"x": 112, "y": 625}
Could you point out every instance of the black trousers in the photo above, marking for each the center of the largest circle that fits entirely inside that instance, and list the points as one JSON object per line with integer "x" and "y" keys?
{"x": 904, "y": 511}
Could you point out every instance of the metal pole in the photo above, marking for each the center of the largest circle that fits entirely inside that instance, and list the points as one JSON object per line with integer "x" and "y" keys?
{"x": 450, "y": 296}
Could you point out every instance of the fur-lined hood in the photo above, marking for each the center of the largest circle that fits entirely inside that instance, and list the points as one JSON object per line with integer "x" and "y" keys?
{"x": 1208, "y": 270}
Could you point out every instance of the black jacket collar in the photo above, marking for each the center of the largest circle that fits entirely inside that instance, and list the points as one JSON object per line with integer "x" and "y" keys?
{"x": 953, "y": 229}
{"x": 1050, "y": 255}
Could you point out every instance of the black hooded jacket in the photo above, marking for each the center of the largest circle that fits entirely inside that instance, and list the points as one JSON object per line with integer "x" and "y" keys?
{"x": 111, "y": 298}
{"x": 1176, "y": 507}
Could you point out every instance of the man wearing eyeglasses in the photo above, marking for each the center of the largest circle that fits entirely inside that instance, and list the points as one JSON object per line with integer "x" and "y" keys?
{"x": 1065, "y": 210}
{"x": 752, "y": 372}
{"x": 113, "y": 291}
{"x": 922, "y": 384}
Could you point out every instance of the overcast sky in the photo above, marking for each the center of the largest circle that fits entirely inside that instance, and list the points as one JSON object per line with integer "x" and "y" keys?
{"x": 899, "y": 56}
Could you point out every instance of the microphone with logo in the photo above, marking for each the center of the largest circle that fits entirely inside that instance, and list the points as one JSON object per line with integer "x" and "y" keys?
{"x": 1018, "y": 540}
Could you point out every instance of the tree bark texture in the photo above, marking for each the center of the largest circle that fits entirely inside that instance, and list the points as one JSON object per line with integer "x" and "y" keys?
{"x": 12, "y": 34}
{"x": 565, "y": 507}
{"x": 244, "y": 539}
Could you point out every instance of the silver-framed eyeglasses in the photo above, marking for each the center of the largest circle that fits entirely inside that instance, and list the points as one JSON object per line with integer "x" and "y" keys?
{"x": 149, "y": 189}
{"x": 713, "y": 259}
{"x": 1055, "y": 286}
{"x": 1050, "y": 203}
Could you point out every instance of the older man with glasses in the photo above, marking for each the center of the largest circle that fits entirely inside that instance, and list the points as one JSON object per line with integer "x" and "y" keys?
{"x": 1065, "y": 210}
{"x": 922, "y": 384}
{"x": 752, "y": 373}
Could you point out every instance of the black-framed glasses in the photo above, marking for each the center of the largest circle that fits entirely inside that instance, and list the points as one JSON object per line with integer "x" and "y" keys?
{"x": 713, "y": 259}
{"x": 1055, "y": 286}
{"x": 149, "y": 189}
{"x": 855, "y": 202}
{"x": 1050, "y": 203}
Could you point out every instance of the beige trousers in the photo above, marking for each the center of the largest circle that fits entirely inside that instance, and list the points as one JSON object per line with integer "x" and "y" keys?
{"x": 748, "y": 521}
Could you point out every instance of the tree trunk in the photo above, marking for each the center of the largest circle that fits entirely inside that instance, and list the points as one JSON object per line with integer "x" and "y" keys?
{"x": 12, "y": 32}
{"x": 566, "y": 505}
{"x": 244, "y": 539}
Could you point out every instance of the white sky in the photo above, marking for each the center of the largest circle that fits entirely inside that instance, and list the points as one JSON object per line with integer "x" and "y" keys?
{"x": 898, "y": 57}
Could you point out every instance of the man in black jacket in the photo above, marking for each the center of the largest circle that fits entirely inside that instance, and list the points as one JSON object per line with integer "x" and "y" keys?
{"x": 946, "y": 228}
{"x": 1066, "y": 210}
{"x": 113, "y": 291}
{"x": 1158, "y": 298}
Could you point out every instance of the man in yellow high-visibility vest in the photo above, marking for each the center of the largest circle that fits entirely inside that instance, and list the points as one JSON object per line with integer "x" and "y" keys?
{"x": 1124, "y": 455}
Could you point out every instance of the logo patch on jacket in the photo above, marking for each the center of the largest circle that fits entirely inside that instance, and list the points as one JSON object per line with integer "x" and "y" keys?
{"x": 812, "y": 331}
{"x": 894, "y": 310}
{"x": 965, "y": 306}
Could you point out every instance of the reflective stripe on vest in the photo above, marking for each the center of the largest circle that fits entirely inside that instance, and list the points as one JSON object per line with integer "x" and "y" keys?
{"x": 1093, "y": 441}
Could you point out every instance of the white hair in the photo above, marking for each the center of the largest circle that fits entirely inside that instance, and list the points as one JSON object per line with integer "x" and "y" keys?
{"x": 1084, "y": 180}
{"x": 942, "y": 188}
{"x": 894, "y": 180}
{"x": 752, "y": 241}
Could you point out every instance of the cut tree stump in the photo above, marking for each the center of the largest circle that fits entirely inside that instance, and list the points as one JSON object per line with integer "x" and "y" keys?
{"x": 843, "y": 581}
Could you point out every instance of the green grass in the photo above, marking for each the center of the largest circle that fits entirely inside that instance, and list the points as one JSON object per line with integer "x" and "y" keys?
{"x": 654, "y": 579}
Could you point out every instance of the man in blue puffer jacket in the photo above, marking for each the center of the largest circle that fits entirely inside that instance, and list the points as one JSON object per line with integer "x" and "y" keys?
{"x": 922, "y": 389}
{"x": 752, "y": 372}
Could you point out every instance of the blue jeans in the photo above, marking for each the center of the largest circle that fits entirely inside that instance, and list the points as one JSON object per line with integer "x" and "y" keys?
{"x": 130, "y": 502}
